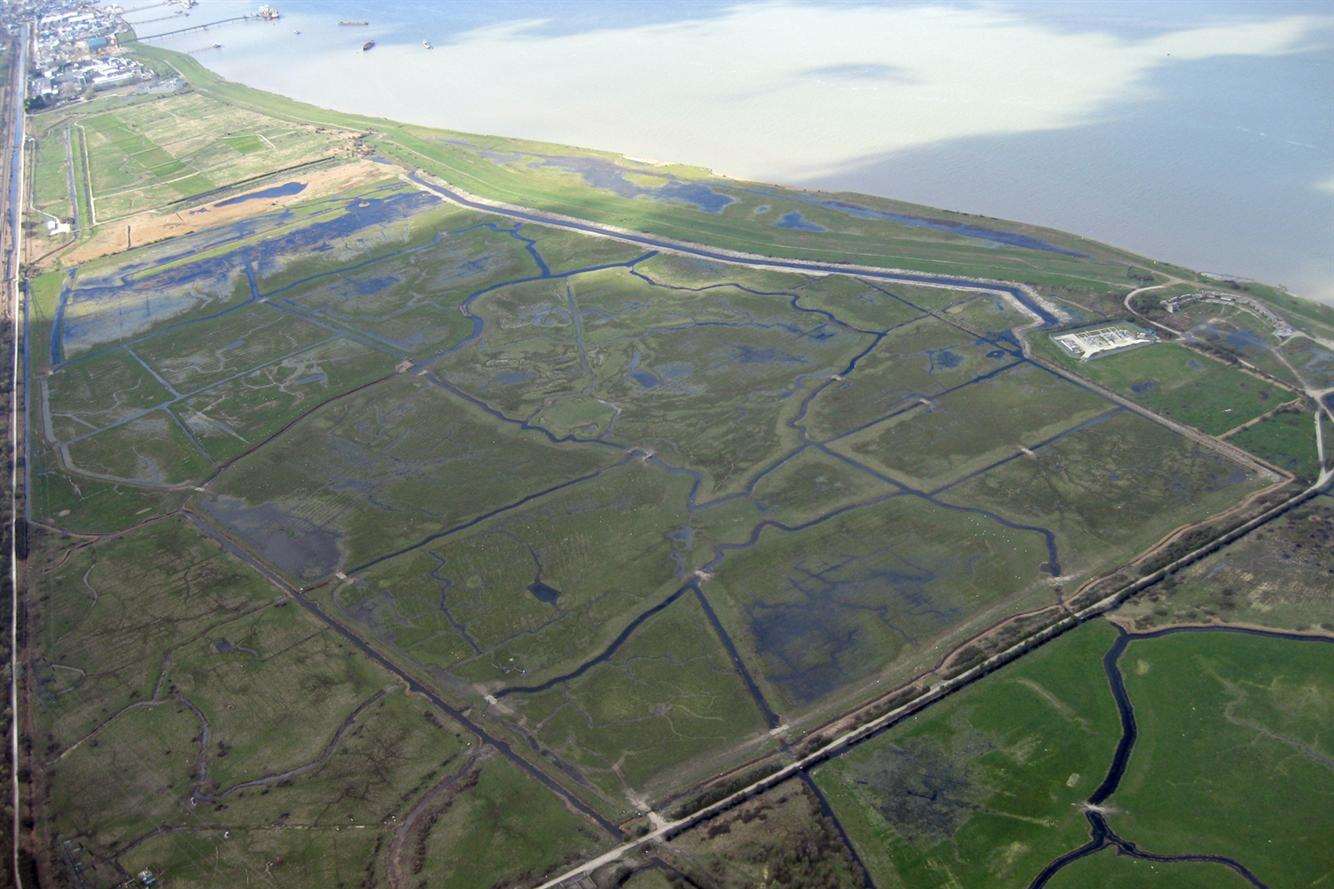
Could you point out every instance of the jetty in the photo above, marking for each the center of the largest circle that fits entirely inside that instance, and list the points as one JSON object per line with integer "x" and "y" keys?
{"x": 199, "y": 27}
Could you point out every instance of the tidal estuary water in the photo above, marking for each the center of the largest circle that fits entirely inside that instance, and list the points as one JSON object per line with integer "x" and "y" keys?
{"x": 1199, "y": 133}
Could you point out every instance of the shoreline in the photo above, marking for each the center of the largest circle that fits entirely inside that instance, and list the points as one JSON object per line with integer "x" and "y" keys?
{"x": 400, "y": 68}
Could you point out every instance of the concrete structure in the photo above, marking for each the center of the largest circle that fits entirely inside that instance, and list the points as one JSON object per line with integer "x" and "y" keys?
{"x": 1107, "y": 338}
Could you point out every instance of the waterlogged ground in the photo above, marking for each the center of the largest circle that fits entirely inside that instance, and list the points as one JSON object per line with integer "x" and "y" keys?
{"x": 619, "y": 519}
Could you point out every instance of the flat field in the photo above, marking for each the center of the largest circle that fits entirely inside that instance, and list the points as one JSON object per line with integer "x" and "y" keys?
{"x": 983, "y": 789}
{"x": 1261, "y": 707}
{"x": 1286, "y": 439}
{"x": 1109, "y": 489}
{"x": 1277, "y": 576}
{"x": 429, "y": 546}
{"x": 987, "y": 788}
{"x": 969, "y": 428}
{"x": 1179, "y": 383}
{"x": 149, "y": 154}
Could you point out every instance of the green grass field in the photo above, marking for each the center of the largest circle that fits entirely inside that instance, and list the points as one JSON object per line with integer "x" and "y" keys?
{"x": 872, "y": 592}
{"x": 1286, "y": 439}
{"x": 500, "y": 830}
{"x": 112, "y": 612}
{"x": 981, "y": 790}
{"x": 781, "y": 839}
{"x": 468, "y": 602}
{"x": 50, "y": 175}
{"x": 379, "y": 470}
{"x": 918, "y": 361}
{"x": 1182, "y": 384}
{"x": 146, "y": 155}
{"x": 1257, "y": 716}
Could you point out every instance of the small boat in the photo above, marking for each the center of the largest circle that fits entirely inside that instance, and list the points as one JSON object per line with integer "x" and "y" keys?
{"x": 348, "y": 23}
{"x": 426, "y": 44}
{"x": 368, "y": 46}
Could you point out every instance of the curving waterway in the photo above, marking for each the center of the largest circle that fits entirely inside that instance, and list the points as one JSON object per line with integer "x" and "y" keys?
{"x": 1102, "y": 834}
{"x": 796, "y": 265}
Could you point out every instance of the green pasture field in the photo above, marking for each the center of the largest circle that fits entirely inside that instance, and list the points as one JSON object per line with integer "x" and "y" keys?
{"x": 638, "y": 723}
{"x": 810, "y": 485}
{"x": 1223, "y": 719}
{"x": 364, "y": 767}
{"x": 410, "y": 301}
{"x": 982, "y": 790}
{"x": 1286, "y": 439}
{"x": 50, "y": 175}
{"x": 1276, "y": 576}
{"x": 133, "y": 779}
{"x": 250, "y": 676}
{"x": 54, "y": 495}
{"x": 466, "y": 603}
{"x": 1179, "y": 383}
{"x": 74, "y": 502}
{"x": 694, "y": 273}
{"x": 380, "y": 469}
{"x": 873, "y": 592}
{"x": 1110, "y": 489}
{"x": 502, "y": 830}
{"x": 852, "y": 300}
{"x": 145, "y": 635}
{"x": 361, "y": 788}
{"x": 148, "y": 154}
{"x": 83, "y": 193}
{"x": 972, "y": 427}
{"x": 206, "y": 857}
{"x": 564, "y": 251}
